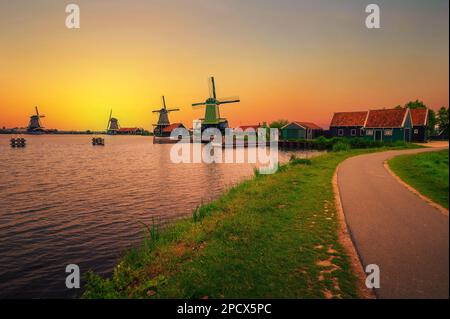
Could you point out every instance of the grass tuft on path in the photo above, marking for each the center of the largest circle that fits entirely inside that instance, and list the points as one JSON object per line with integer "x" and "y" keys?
{"x": 428, "y": 173}
{"x": 273, "y": 236}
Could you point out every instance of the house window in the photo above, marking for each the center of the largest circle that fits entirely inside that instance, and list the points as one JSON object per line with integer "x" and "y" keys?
{"x": 388, "y": 132}
{"x": 416, "y": 131}
{"x": 353, "y": 132}
{"x": 340, "y": 132}
{"x": 361, "y": 132}
{"x": 369, "y": 132}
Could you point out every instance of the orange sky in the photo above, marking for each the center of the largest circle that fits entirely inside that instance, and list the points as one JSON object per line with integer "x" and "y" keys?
{"x": 299, "y": 60}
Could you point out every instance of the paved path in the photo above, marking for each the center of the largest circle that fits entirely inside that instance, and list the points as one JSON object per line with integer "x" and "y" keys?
{"x": 395, "y": 229}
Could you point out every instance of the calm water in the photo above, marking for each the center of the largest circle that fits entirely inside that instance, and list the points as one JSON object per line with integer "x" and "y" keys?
{"x": 63, "y": 201}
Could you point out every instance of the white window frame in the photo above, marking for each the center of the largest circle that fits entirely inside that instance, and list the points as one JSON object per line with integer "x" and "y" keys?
{"x": 353, "y": 132}
{"x": 369, "y": 132}
{"x": 388, "y": 132}
{"x": 340, "y": 132}
{"x": 416, "y": 131}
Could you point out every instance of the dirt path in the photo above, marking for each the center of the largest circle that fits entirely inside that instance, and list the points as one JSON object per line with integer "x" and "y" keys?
{"x": 395, "y": 229}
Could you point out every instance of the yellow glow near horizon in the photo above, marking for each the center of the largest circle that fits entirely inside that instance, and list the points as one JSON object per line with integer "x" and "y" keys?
{"x": 299, "y": 61}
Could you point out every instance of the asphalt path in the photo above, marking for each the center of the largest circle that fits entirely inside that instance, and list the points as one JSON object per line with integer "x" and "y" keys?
{"x": 395, "y": 229}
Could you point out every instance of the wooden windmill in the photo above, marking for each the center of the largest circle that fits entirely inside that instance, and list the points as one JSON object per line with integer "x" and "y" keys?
{"x": 113, "y": 125}
{"x": 212, "y": 112}
{"x": 35, "y": 122}
{"x": 163, "y": 120}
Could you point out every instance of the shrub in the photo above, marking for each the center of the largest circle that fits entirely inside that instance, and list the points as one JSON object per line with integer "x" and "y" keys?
{"x": 341, "y": 147}
{"x": 358, "y": 142}
{"x": 322, "y": 143}
{"x": 96, "y": 287}
{"x": 294, "y": 160}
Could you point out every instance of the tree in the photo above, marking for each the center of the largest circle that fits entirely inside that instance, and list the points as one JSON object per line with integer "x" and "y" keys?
{"x": 415, "y": 105}
{"x": 431, "y": 125}
{"x": 279, "y": 124}
{"x": 442, "y": 119}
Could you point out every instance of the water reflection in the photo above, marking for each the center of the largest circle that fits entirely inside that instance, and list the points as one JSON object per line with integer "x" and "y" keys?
{"x": 64, "y": 201}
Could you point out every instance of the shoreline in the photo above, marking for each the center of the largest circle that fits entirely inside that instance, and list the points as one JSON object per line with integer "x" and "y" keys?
{"x": 287, "y": 245}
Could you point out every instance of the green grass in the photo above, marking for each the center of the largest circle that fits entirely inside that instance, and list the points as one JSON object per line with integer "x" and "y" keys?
{"x": 274, "y": 236}
{"x": 426, "y": 172}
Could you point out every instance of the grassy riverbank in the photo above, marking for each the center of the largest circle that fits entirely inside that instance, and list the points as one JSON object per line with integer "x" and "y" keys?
{"x": 428, "y": 173}
{"x": 274, "y": 236}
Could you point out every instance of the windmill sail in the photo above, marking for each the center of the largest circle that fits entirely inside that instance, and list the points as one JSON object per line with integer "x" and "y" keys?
{"x": 212, "y": 116}
{"x": 212, "y": 88}
{"x": 228, "y": 100}
{"x": 35, "y": 121}
{"x": 113, "y": 125}
{"x": 109, "y": 120}
{"x": 163, "y": 119}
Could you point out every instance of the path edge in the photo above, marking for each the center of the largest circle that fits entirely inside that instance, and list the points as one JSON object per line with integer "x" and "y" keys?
{"x": 347, "y": 243}
{"x": 428, "y": 200}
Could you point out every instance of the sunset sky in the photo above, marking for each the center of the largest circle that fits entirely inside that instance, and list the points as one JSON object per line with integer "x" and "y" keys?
{"x": 294, "y": 59}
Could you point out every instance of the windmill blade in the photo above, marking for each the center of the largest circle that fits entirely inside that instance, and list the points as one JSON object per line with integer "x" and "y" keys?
{"x": 156, "y": 111}
{"x": 212, "y": 87}
{"x": 164, "y": 101}
{"x": 229, "y": 100}
{"x": 210, "y": 90}
{"x": 173, "y": 110}
{"x": 109, "y": 120}
{"x": 198, "y": 104}
{"x": 37, "y": 111}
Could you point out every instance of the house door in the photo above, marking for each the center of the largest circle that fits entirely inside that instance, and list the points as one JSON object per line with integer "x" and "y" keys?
{"x": 378, "y": 135}
{"x": 407, "y": 135}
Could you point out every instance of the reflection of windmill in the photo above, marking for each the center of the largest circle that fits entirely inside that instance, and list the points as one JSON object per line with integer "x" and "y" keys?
{"x": 113, "y": 125}
{"x": 212, "y": 113}
{"x": 163, "y": 120}
{"x": 35, "y": 122}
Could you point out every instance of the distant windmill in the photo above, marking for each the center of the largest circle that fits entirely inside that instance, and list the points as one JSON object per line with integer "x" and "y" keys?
{"x": 212, "y": 113}
{"x": 163, "y": 120}
{"x": 113, "y": 125}
{"x": 35, "y": 122}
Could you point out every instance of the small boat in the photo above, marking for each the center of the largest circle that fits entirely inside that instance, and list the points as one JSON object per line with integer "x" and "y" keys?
{"x": 98, "y": 141}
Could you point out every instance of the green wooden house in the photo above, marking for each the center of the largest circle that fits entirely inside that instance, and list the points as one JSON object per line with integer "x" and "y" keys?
{"x": 300, "y": 131}
{"x": 389, "y": 125}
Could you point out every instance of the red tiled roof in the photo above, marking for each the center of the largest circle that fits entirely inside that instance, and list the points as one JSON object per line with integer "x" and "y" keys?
{"x": 309, "y": 125}
{"x": 171, "y": 127}
{"x": 244, "y": 127}
{"x": 349, "y": 119}
{"x": 386, "y": 118}
{"x": 419, "y": 116}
